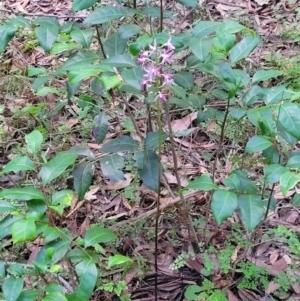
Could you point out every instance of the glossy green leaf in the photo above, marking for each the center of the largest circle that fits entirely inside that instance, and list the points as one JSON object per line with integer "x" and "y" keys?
{"x": 55, "y": 167}
{"x": 192, "y": 292}
{"x": 34, "y": 141}
{"x": 257, "y": 144}
{"x": 184, "y": 79}
{"x": 33, "y": 71}
{"x": 287, "y": 181}
{"x": 203, "y": 183}
{"x": 115, "y": 45}
{"x": 252, "y": 95}
{"x": 111, "y": 166}
{"x": 19, "y": 164}
{"x": 155, "y": 12}
{"x": 118, "y": 259}
{"x": 110, "y": 82}
{"x": 83, "y": 175}
{"x": 124, "y": 143}
{"x": 28, "y": 295}
{"x": 252, "y": 210}
{"x": 133, "y": 77}
{"x": 277, "y": 94}
{"x": 264, "y": 114}
{"x": 48, "y": 21}
{"x": 153, "y": 139}
{"x": 98, "y": 234}
{"x": 55, "y": 296}
{"x": 121, "y": 60}
{"x": 273, "y": 172}
{"x": 296, "y": 200}
{"x": 108, "y": 13}
{"x": 243, "y": 48}
{"x": 6, "y": 206}
{"x": 81, "y": 151}
{"x": 77, "y": 76}
{"x": 12, "y": 288}
{"x": 100, "y": 128}
{"x": 237, "y": 113}
{"x": 7, "y": 32}
{"x": 140, "y": 43}
{"x": 264, "y": 75}
{"x": 284, "y": 134}
{"x": 204, "y": 28}
{"x": 60, "y": 200}
{"x": 232, "y": 181}
{"x": 150, "y": 171}
{"x": 6, "y": 224}
{"x": 82, "y": 4}
{"x": 77, "y": 254}
{"x": 225, "y": 40}
{"x": 23, "y": 230}
{"x": 47, "y": 36}
{"x": 19, "y": 21}
{"x": 22, "y": 194}
{"x": 294, "y": 161}
{"x": 2, "y": 270}
{"x": 37, "y": 206}
{"x": 201, "y": 47}
{"x": 289, "y": 118}
{"x": 128, "y": 31}
{"x": 232, "y": 26}
{"x": 62, "y": 47}
{"x": 189, "y": 3}
{"x": 243, "y": 75}
{"x": 40, "y": 81}
{"x": 223, "y": 204}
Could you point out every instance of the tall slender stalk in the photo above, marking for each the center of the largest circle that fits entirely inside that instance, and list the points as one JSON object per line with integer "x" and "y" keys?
{"x": 161, "y": 17}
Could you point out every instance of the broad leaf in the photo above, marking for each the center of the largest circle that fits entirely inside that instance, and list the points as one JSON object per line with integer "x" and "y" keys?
{"x": 83, "y": 175}
{"x": 111, "y": 166}
{"x": 289, "y": 118}
{"x": 55, "y": 167}
{"x": 264, "y": 75}
{"x": 115, "y": 45}
{"x": 37, "y": 206}
{"x": 225, "y": 40}
{"x": 124, "y": 143}
{"x": 23, "y": 230}
{"x": 47, "y": 22}
{"x": 273, "y": 172}
{"x": 203, "y": 183}
{"x": 22, "y": 194}
{"x": 189, "y": 3}
{"x": 82, "y": 36}
{"x": 201, "y": 47}
{"x": 204, "y": 28}
{"x": 7, "y": 32}
{"x": 34, "y": 141}
{"x": 98, "y": 234}
{"x": 19, "y": 21}
{"x": 252, "y": 95}
{"x": 232, "y": 181}
{"x": 82, "y": 151}
{"x": 232, "y": 26}
{"x": 62, "y": 47}
{"x": 100, "y": 128}
{"x": 243, "y": 48}
{"x": 151, "y": 169}
{"x": 12, "y": 288}
{"x": 237, "y": 113}
{"x": 296, "y": 200}
{"x": 245, "y": 185}
{"x": 110, "y": 82}
{"x": 82, "y": 4}
{"x": 277, "y": 94}
{"x": 287, "y": 181}
{"x": 60, "y": 200}
{"x": 129, "y": 30}
{"x": 6, "y": 206}
{"x": 257, "y": 144}
{"x": 108, "y": 13}
{"x": 223, "y": 204}
{"x": 133, "y": 77}
{"x": 294, "y": 161}
{"x": 118, "y": 259}
{"x": 155, "y": 12}
{"x": 252, "y": 210}
{"x": 55, "y": 296}
{"x": 19, "y": 164}
{"x": 47, "y": 36}
{"x": 121, "y": 60}
{"x": 154, "y": 138}
{"x": 184, "y": 79}
{"x": 28, "y": 295}
{"x": 77, "y": 76}
{"x": 6, "y": 224}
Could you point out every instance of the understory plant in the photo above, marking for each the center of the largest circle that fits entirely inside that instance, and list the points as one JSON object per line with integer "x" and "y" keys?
{"x": 133, "y": 62}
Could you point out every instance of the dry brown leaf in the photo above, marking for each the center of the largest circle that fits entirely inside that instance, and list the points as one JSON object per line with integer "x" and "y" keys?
{"x": 116, "y": 185}
{"x": 231, "y": 296}
{"x": 272, "y": 287}
{"x": 274, "y": 256}
{"x": 180, "y": 125}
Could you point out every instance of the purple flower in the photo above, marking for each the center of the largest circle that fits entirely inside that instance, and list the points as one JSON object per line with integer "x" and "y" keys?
{"x": 166, "y": 56}
{"x": 151, "y": 72}
{"x": 153, "y": 47}
{"x": 143, "y": 58}
{"x": 168, "y": 46}
{"x": 168, "y": 79}
{"x": 162, "y": 96}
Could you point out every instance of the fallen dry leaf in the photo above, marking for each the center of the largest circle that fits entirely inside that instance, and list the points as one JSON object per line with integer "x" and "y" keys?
{"x": 180, "y": 125}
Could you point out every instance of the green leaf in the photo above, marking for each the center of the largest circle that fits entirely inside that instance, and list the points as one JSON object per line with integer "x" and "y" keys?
{"x": 101, "y": 127}
{"x": 150, "y": 171}
{"x": 6, "y": 206}
{"x": 118, "y": 259}
{"x": 111, "y": 166}
{"x": 38, "y": 82}
{"x": 22, "y": 193}
{"x": 140, "y": 43}
{"x": 129, "y": 30}
{"x": 110, "y": 82}
{"x": 133, "y": 77}
{"x": 264, "y": 75}
{"x": 23, "y": 230}
{"x": 47, "y": 36}
{"x": 294, "y": 161}
{"x": 115, "y": 45}
{"x": 155, "y": 12}
{"x": 82, "y": 151}
{"x": 192, "y": 292}
{"x": 19, "y": 164}
{"x": 245, "y": 185}
{"x": 232, "y": 181}
{"x": 108, "y": 13}
{"x": 48, "y": 22}
{"x": 124, "y": 143}
{"x": 55, "y": 167}
{"x": 261, "y": 114}
{"x": 120, "y": 60}
{"x": 60, "y": 200}
{"x": 7, "y": 32}
{"x": 285, "y": 135}
{"x": 12, "y": 288}
{"x": 203, "y": 183}
{"x": 189, "y": 3}
{"x": 184, "y": 79}
{"x": 251, "y": 96}
{"x": 287, "y": 181}
{"x": 62, "y": 47}
{"x": 273, "y": 172}
{"x": 82, "y": 4}
{"x": 28, "y": 295}
{"x": 37, "y": 206}
{"x": 77, "y": 76}
{"x": 257, "y": 144}
{"x": 32, "y": 71}
{"x": 83, "y": 175}
{"x": 153, "y": 138}
{"x": 201, "y": 47}
{"x": 232, "y": 26}
{"x": 225, "y": 40}
{"x": 244, "y": 76}
{"x": 6, "y": 224}
{"x": 237, "y": 113}
{"x": 55, "y": 296}
{"x": 204, "y": 28}
{"x": 296, "y": 200}
{"x": 252, "y": 210}
{"x": 223, "y": 204}
{"x": 2, "y": 270}
{"x": 276, "y": 94}
{"x": 243, "y": 48}
{"x": 289, "y": 118}
{"x": 98, "y": 234}
{"x": 19, "y": 21}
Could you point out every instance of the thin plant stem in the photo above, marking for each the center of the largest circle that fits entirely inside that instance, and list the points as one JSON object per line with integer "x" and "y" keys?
{"x": 183, "y": 201}
{"x": 99, "y": 40}
{"x": 161, "y": 16}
